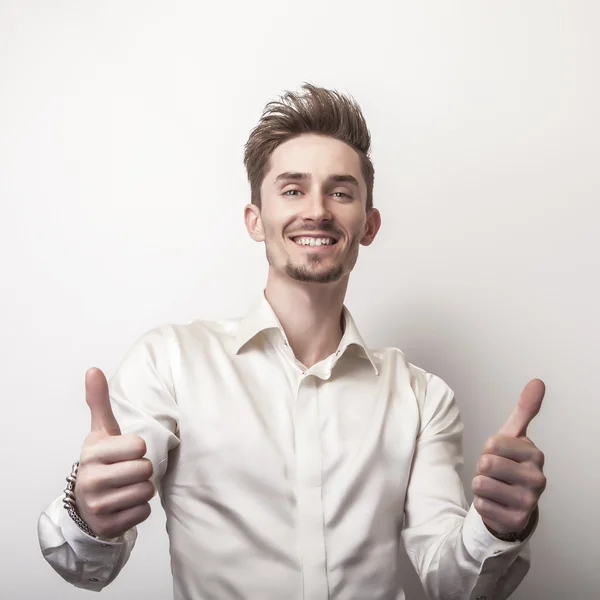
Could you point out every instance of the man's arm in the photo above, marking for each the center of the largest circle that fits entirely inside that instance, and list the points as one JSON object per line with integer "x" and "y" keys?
{"x": 453, "y": 552}
{"x": 86, "y": 562}
{"x": 143, "y": 401}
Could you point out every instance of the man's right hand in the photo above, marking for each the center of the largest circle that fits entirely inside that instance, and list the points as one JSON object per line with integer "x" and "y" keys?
{"x": 113, "y": 486}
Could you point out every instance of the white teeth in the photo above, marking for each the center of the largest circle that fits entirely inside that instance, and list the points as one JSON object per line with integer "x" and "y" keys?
{"x": 311, "y": 241}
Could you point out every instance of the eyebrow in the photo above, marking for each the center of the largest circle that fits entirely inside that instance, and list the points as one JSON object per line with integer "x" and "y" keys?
{"x": 295, "y": 176}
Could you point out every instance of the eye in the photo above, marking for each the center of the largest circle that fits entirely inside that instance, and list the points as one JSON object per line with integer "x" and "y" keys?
{"x": 288, "y": 192}
{"x": 343, "y": 196}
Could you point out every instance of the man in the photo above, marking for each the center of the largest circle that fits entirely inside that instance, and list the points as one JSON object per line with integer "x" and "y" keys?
{"x": 291, "y": 459}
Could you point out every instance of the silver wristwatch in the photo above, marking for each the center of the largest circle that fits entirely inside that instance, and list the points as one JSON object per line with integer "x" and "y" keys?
{"x": 517, "y": 536}
{"x": 69, "y": 501}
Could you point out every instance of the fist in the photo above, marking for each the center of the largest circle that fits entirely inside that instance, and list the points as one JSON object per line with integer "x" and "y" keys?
{"x": 510, "y": 478}
{"x": 113, "y": 487}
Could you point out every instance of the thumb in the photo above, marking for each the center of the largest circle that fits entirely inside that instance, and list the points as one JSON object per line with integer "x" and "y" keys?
{"x": 97, "y": 398}
{"x": 527, "y": 407}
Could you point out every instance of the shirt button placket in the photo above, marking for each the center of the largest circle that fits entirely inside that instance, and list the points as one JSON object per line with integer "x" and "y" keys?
{"x": 311, "y": 535}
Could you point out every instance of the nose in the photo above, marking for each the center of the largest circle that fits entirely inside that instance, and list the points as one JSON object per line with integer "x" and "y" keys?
{"x": 317, "y": 209}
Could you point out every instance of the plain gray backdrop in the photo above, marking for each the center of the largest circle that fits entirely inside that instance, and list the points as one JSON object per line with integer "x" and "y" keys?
{"x": 122, "y": 127}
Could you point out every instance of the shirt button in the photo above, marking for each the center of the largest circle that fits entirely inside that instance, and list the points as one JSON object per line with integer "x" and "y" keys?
{"x": 94, "y": 579}
{"x": 481, "y": 597}
{"x": 104, "y": 545}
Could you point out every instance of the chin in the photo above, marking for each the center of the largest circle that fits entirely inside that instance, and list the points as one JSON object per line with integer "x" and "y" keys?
{"x": 309, "y": 275}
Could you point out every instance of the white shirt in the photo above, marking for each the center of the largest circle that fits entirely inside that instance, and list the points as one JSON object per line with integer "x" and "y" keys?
{"x": 285, "y": 482}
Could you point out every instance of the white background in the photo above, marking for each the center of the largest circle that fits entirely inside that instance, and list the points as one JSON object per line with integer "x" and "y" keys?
{"x": 122, "y": 127}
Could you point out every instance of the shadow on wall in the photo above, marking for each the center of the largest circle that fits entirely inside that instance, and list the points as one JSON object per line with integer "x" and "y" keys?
{"x": 443, "y": 340}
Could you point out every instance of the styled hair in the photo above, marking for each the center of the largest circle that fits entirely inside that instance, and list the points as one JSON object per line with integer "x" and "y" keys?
{"x": 318, "y": 111}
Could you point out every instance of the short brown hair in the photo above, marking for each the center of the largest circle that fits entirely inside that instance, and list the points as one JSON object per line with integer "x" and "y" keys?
{"x": 319, "y": 111}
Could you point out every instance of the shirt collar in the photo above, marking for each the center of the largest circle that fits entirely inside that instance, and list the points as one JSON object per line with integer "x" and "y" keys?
{"x": 262, "y": 317}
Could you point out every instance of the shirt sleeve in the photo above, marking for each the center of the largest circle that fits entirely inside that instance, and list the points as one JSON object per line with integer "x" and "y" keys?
{"x": 454, "y": 554}
{"x": 143, "y": 401}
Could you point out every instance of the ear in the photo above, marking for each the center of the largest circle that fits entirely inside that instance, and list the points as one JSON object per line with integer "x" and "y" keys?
{"x": 372, "y": 227}
{"x": 253, "y": 222}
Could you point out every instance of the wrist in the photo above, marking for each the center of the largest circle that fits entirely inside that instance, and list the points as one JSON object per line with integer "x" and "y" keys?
{"x": 516, "y": 536}
{"x": 70, "y": 504}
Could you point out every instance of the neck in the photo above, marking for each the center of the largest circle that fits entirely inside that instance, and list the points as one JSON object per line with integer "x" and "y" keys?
{"x": 310, "y": 314}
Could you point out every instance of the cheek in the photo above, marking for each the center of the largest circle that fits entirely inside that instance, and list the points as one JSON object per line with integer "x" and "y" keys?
{"x": 357, "y": 231}
{"x": 267, "y": 228}
{"x": 276, "y": 222}
{"x": 272, "y": 235}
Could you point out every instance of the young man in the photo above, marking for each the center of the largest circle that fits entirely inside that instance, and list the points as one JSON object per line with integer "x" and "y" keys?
{"x": 291, "y": 459}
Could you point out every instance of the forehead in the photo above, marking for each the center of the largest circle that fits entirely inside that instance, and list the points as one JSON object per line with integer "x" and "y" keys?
{"x": 318, "y": 155}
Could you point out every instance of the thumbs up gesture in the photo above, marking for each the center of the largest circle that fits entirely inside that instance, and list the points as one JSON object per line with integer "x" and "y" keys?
{"x": 510, "y": 480}
{"x": 113, "y": 484}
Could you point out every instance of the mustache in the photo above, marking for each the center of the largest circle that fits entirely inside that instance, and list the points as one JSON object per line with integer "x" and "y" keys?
{"x": 327, "y": 227}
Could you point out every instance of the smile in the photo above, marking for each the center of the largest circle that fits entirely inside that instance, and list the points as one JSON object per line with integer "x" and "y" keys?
{"x": 314, "y": 241}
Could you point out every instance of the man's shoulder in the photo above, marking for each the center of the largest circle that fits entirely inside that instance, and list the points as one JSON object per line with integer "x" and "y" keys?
{"x": 194, "y": 331}
{"x": 421, "y": 380}
{"x": 395, "y": 357}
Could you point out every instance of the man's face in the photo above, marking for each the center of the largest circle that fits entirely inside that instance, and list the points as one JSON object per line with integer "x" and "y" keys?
{"x": 313, "y": 215}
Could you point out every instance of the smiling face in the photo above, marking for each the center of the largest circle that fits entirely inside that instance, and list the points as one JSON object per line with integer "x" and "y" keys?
{"x": 313, "y": 215}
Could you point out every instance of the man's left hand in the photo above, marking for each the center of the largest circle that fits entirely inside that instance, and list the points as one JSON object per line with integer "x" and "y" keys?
{"x": 510, "y": 480}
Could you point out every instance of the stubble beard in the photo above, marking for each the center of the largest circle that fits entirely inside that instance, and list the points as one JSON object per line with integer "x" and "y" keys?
{"x": 303, "y": 273}
{"x": 306, "y": 274}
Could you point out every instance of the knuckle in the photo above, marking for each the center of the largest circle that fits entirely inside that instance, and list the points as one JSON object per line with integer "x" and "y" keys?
{"x": 538, "y": 480}
{"x": 87, "y": 456}
{"x": 479, "y": 504}
{"x": 92, "y": 480}
{"x": 492, "y": 446}
{"x": 478, "y": 483}
{"x": 148, "y": 468}
{"x": 143, "y": 512}
{"x": 140, "y": 445}
{"x": 148, "y": 490}
{"x": 95, "y": 506}
{"x": 85, "y": 485}
{"x": 540, "y": 457}
{"x": 147, "y": 509}
{"x": 486, "y": 463}
{"x": 133, "y": 445}
{"x": 520, "y": 520}
{"x": 529, "y": 499}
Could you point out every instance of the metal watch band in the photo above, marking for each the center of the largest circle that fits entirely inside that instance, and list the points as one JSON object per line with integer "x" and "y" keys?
{"x": 507, "y": 537}
{"x": 517, "y": 536}
{"x": 69, "y": 501}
